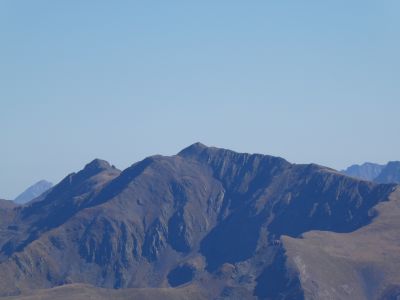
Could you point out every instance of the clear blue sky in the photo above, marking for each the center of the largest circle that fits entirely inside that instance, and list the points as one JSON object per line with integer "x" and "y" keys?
{"x": 311, "y": 81}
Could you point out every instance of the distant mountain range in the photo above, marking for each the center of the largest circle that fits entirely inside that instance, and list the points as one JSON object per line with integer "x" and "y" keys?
{"x": 207, "y": 223}
{"x": 389, "y": 173}
{"x": 33, "y": 192}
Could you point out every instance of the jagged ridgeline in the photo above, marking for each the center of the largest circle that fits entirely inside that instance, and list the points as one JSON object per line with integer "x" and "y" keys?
{"x": 207, "y": 223}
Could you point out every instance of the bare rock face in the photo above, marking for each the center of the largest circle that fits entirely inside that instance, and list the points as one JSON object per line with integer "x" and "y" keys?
{"x": 207, "y": 218}
{"x": 390, "y": 174}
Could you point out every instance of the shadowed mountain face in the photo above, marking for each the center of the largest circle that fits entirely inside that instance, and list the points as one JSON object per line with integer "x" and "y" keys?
{"x": 6, "y": 209}
{"x": 363, "y": 264}
{"x": 391, "y": 173}
{"x": 33, "y": 192}
{"x": 7, "y": 214}
{"x": 208, "y": 219}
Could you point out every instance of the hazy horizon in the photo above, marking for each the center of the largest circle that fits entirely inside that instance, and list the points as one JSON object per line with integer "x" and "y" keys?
{"x": 309, "y": 82}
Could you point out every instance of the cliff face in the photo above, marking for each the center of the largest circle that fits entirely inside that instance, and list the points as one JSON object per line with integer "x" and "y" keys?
{"x": 390, "y": 174}
{"x": 207, "y": 217}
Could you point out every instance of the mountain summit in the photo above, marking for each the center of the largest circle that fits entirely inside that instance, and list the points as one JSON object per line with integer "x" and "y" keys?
{"x": 207, "y": 223}
{"x": 33, "y": 191}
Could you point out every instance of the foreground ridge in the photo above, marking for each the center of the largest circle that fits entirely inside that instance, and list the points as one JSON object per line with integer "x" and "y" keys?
{"x": 207, "y": 223}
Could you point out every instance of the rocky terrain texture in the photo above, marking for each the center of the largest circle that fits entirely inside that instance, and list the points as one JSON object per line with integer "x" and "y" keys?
{"x": 391, "y": 173}
{"x": 33, "y": 192}
{"x": 6, "y": 204}
{"x": 85, "y": 292}
{"x": 206, "y": 223}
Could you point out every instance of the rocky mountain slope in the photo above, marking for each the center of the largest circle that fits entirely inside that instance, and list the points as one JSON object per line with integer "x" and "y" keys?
{"x": 33, "y": 192}
{"x": 84, "y": 292}
{"x": 207, "y": 219}
{"x": 391, "y": 173}
{"x": 6, "y": 204}
{"x": 363, "y": 264}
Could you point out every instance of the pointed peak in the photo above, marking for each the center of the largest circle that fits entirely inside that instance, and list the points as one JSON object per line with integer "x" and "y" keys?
{"x": 44, "y": 183}
{"x": 97, "y": 165}
{"x": 193, "y": 149}
{"x": 33, "y": 191}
